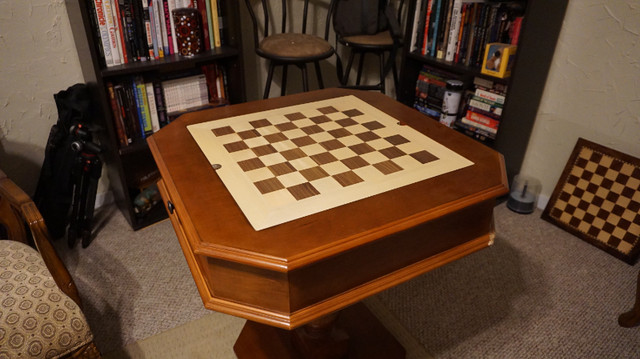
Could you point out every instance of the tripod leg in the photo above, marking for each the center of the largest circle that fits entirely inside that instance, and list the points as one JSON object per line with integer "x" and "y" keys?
{"x": 92, "y": 189}
{"x": 72, "y": 231}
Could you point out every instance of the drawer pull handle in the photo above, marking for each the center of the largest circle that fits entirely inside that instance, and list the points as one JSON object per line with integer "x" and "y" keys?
{"x": 170, "y": 206}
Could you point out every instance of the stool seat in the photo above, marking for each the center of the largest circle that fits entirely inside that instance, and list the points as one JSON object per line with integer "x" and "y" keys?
{"x": 295, "y": 46}
{"x": 36, "y": 318}
{"x": 380, "y": 39}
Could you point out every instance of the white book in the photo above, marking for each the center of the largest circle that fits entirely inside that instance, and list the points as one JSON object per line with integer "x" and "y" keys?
{"x": 491, "y": 96}
{"x": 416, "y": 23}
{"x": 153, "y": 108}
{"x": 454, "y": 29}
{"x": 104, "y": 33}
{"x": 184, "y": 93}
{"x": 116, "y": 52}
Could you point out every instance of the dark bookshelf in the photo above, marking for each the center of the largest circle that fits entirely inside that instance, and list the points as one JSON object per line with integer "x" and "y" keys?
{"x": 126, "y": 166}
{"x": 538, "y": 37}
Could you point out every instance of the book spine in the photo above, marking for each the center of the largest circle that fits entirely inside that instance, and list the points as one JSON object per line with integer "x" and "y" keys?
{"x": 111, "y": 28}
{"x": 174, "y": 40}
{"x": 168, "y": 27}
{"x": 148, "y": 31}
{"x": 123, "y": 140}
{"x": 143, "y": 105}
{"x": 454, "y": 30}
{"x": 427, "y": 23}
{"x": 202, "y": 6}
{"x": 216, "y": 23}
{"x": 161, "y": 33}
{"x": 491, "y": 96}
{"x": 486, "y": 123}
{"x": 153, "y": 108}
{"x": 446, "y": 26}
{"x": 104, "y": 33}
{"x": 433, "y": 37}
{"x": 485, "y": 107}
{"x": 160, "y": 104}
{"x": 415, "y": 38}
{"x": 115, "y": 10}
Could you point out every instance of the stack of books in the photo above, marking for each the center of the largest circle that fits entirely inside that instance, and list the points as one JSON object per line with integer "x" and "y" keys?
{"x": 142, "y": 30}
{"x": 430, "y": 88}
{"x": 142, "y": 106}
{"x": 458, "y": 30}
{"x": 483, "y": 111}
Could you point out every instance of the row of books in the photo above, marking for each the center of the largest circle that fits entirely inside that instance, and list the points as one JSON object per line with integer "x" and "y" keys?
{"x": 430, "y": 88}
{"x": 458, "y": 30}
{"x": 480, "y": 111}
{"x": 142, "y": 106}
{"x": 141, "y": 30}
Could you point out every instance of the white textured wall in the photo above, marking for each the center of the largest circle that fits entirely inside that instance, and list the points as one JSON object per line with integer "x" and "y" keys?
{"x": 37, "y": 59}
{"x": 593, "y": 88}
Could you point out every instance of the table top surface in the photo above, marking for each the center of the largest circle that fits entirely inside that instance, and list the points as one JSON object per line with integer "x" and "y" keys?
{"x": 218, "y": 227}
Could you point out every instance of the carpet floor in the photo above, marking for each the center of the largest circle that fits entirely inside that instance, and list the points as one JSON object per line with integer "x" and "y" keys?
{"x": 538, "y": 292}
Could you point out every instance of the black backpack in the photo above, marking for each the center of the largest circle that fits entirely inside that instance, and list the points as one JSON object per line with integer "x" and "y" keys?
{"x": 360, "y": 17}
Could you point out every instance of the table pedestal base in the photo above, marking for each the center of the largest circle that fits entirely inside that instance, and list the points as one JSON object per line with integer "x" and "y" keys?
{"x": 355, "y": 334}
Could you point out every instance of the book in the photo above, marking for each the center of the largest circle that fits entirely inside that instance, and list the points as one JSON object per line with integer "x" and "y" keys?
{"x": 426, "y": 26}
{"x": 491, "y": 96}
{"x": 142, "y": 107}
{"x": 454, "y": 30}
{"x": 123, "y": 139}
{"x": 153, "y": 108}
{"x": 418, "y": 25}
{"x": 173, "y": 40}
{"x": 104, "y": 33}
{"x": 111, "y": 29}
{"x": 184, "y": 93}
{"x": 484, "y": 106}
{"x": 215, "y": 23}
{"x": 481, "y": 121}
{"x": 168, "y": 27}
{"x": 433, "y": 28}
{"x": 160, "y": 107}
{"x": 202, "y": 6}
{"x": 161, "y": 31}
{"x": 443, "y": 39}
{"x": 115, "y": 12}
{"x": 148, "y": 29}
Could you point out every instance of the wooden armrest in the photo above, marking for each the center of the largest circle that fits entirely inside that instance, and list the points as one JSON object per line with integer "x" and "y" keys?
{"x": 18, "y": 209}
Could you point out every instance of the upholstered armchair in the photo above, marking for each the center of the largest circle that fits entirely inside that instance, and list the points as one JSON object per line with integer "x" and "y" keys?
{"x": 40, "y": 309}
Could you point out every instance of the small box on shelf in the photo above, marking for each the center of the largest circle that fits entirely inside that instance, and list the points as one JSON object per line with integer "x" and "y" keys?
{"x": 498, "y": 59}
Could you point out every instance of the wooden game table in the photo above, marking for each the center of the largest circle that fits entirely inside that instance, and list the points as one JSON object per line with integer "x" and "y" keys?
{"x": 299, "y": 283}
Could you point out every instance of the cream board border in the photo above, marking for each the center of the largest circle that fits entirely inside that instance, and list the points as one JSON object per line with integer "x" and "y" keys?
{"x": 267, "y": 210}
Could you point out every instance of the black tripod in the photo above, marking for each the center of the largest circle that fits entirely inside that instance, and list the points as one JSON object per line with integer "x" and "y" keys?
{"x": 86, "y": 171}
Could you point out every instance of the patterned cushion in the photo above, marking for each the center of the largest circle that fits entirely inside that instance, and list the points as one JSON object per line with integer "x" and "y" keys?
{"x": 37, "y": 320}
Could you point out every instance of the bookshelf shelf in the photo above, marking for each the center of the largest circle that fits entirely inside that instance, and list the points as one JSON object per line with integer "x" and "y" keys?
{"x": 538, "y": 36}
{"x": 131, "y": 168}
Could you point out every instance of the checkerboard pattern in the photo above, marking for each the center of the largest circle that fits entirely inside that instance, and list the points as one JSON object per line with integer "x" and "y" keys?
{"x": 290, "y": 162}
{"x": 305, "y": 155}
{"x": 598, "y": 199}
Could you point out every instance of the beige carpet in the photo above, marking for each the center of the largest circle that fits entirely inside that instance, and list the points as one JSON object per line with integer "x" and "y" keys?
{"x": 538, "y": 292}
{"x": 213, "y": 336}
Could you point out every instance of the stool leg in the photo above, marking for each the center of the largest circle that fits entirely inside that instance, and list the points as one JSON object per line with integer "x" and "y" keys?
{"x": 347, "y": 70}
{"x": 360, "y": 66}
{"x": 632, "y": 317}
{"x": 305, "y": 80}
{"x": 283, "y": 89}
{"x": 381, "y": 60}
{"x": 319, "y": 75}
{"x": 269, "y": 78}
